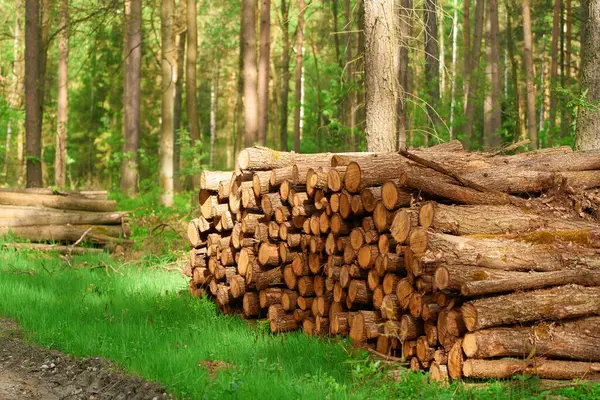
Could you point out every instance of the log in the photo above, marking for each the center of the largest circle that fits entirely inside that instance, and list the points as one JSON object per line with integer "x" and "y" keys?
{"x": 575, "y": 339}
{"x": 540, "y": 367}
{"x": 456, "y": 360}
{"x": 410, "y": 328}
{"x": 370, "y": 196}
{"x": 66, "y": 250}
{"x": 306, "y": 286}
{"x": 280, "y": 175}
{"x": 259, "y": 158}
{"x": 365, "y": 326}
{"x": 270, "y": 202}
{"x": 249, "y": 199}
{"x": 209, "y": 180}
{"x": 382, "y": 217}
{"x": 367, "y": 256}
{"x": 305, "y": 303}
{"x": 83, "y": 194}
{"x": 270, "y": 296}
{"x": 561, "y": 302}
{"x": 238, "y": 286}
{"x": 56, "y": 202}
{"x": 284, "y": 323}
{"x": 103, "y": 235}
{"x": 268, "y": 255}
{"x": 403, "y": 222}
{"x": 335, "y": 178}
{"x": 390, "y": 308}
{"x": 30, "y": 216}
{"x": 394, "y": 196}
{"x": 359, "y": 293}
{"x": 491, "y": 220}
{"x": 340, "y": 325}
{"x": 261, "y": 183}
{"x": 438, "y": 372}
{"x": 271, "y": 277}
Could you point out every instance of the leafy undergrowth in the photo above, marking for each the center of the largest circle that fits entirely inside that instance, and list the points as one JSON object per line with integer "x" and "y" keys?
{"x": 137, "y": 311}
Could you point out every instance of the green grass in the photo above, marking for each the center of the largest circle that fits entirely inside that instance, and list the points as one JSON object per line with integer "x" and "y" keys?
{"x": 144, "y": 318}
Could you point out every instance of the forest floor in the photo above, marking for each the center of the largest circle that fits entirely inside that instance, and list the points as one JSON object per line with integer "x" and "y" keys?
{"x": 135, "y": 310}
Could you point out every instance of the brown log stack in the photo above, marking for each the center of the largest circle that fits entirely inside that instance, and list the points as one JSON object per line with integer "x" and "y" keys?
{"x": 444, "y": 258}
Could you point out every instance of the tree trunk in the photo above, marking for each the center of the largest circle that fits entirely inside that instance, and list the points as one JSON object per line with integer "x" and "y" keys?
{"x": 131, "y": 96}
{"x": 571, "y": 340}
{"x": 214, "y": 102}
{"x": 528, "y": 61}
{"x": 179, "y": 61}
{"x": 250, "y": 72}
{"x": 404, "y": 30}
{"x": 467, "y": 48}
{"x": 473, "y": 85}
{"x": 454, "y": 59}
{"x": 263, "y": 70}
{"x": 299, "y": 72}
{"x": 349, "y": 100}
{"x": 556, "y": 25}
{"x": 542, "y": 368}
{"x": 493, "y": 114}
{"x": 190, "y": 80}
{"x": 561, "y": 302}
{"x": 60, "y": 160}
{"x": 33, "y": 100}
{"x": 53, "y": 201}
{"x": 285, "y": 76}
{"x": 588, "y": 119}
{"x": 518, "y": 133}
{"x": 380, "y": 37}
{"x": 432, "y": 66}
{"x": 167, "y": 12}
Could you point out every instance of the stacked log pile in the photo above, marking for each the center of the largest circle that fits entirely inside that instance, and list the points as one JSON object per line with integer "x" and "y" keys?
{"x": 65, "y": 217}
{"x": 463, "y": 264}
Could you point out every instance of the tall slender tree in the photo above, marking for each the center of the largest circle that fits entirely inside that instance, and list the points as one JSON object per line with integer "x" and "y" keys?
{"x": 131, "y": 96}
{"x": 454, "y": 60}
{"x": 528, "y": 60}
{"x": 554, "y": 67}
{"x": 60, "y": 160}
{"x": 165, "y": 150}
{"x": 33, "y": 100}
{"x": 285, "y": 76}
{"x": 250, "y": 71}
{"x": 467, "y": 48}
{"x": 179, "y": 67}
{"x": 492, "y": 105}
{"x": 299, "y": 72}
{"x": 349, "y": 100}
{"x": 263, "y": 70}
{"x": 473, "y": 85}
{"x": 432, "y": 64}
{"x": 588, "y": 118}
{"x": 191, "y": 97}
{"x": 404, "y": 24}
{"x": 380, "y": 36}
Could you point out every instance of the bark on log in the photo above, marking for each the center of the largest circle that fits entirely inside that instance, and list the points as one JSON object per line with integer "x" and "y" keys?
{"x": 262, "y": 158}
{"x": 60, "y": 202}
{"x": 209, "y": 180}
{"x": 575, "y": 339}
{"x": 28, "y": 216}
{"x": 403, "y": 222}
{"x": 55, "y": 248}
{"x": 540, "y": 367}
{"x": 561, "y": 302}
{"x": 370, "y": 196}
{"x": 102, "y": 235}
{"x": 394, "y": 196}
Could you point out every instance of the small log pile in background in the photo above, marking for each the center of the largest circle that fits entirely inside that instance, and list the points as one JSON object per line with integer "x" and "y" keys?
{"x": 464, "y": 264}
{"x": 68, "y": 217}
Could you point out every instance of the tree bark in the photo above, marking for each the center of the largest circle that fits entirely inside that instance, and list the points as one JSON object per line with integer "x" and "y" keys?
{"x": 473, "y": 84}
{"x": 250, "y": 72}
{"x": 349, "y": 100}
{"x": 561, "y": 302}
{"x": 404, "y": 31}
{"x": 493, "y": 108}
{"x": 588, "y": 118}
{"x": 574, "y": 340}
{"x": 263, "y": 70}
{"x": 299, "y": 73}
{"x": 528, "y": 61}
{"x": 50, "y": 201}
{"x": 60, "y": 160}
{"x": 179, "y": 61}
{"x": 214, "y": 102}
{"x": 556, "y": 25}
{"x": 542, "y": 368}
{"x": 432, "y": 66}
{"x": 190, "y": 81}
{"x": 285, "y": 76}
{"x": 35, "y": 216}
{"x": 380, "y": 37}
{"x": 33, "y": 92}
{"x": 167, "y": 13}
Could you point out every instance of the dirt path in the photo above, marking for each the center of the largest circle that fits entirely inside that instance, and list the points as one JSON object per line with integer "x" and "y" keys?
{"x": 32, "y": 373}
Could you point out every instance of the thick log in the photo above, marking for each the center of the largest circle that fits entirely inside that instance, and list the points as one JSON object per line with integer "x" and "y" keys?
{"x": 271, "y": 277}
{"x": 370, "y": 196}
{"x": 456, "y": 360}
{"x": 382, "y": 217}
{"x": 261, "y": 183}
{"x": 345, "y": 205}
{"x": 404, "y": 221}
{"x": 62, "y": 249}
{"x": 270, "y": 296}
{"x": 249, "y": 199}
{"x": 270, "y": 202}
{"x": 209, "y": 180}
{"x": 438, "y": 372}
{"x": 575, "y": 340}
{"x": 30, "y": 216}
{"x": 305, "y": 303}
{"x": 335, "y": 178}
{"x": 259, "y": 158}
{"x": 306, "y": 286}
{"x": 339, "y": 325}
{"x": 284, "y": 323}
{"x": 410, "y": 328}
{"x": 395, "y": 196}
{"x": 356, "y": 205}
{"x": 53, "y": 201}
{"x": 365, "y": 325}
{"x": 268, "y": 255}
{"x": 197, "y": 230}
{"x": 367, "y": 256}
{"x": 103, "y": 235}
{"x": 82, "y": 194}
{"x": 540, "y": 367}
{"x": 280, "y": 175}
{"x": 238, "y": 286}
{"x": 359, "y": 293}
{"x": 561, "y": 302}
{"x": 390, "y": 308}
{"x": 474, "y": 220}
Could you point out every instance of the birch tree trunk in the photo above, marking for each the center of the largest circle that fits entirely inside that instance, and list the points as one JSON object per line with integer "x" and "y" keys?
{"x": 528, "y": 60}
{"x": 380, "y": 37}
{"x": 131, "y": 96}
{"x": 60, "y": 159}
{"x": 250, "y": 72}
{"x": 588, "y": 119}
{"x": 263, "y": 70}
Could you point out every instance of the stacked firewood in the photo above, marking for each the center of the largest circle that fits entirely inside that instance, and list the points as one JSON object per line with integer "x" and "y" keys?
{"x": 62, "y": 217}
{"x": 464, "y": 264}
